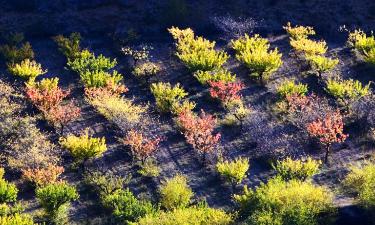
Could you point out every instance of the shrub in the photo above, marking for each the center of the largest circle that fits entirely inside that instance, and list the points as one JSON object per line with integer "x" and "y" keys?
{"x": 204, "y": 77}
{"x": 149, "y": 168}
{"x": 255, "y": 53}
{"x": 16, "y": 220}
{"x": 88, "y": 61}
{"x": 279, "y": 202}
{"x": 84, "y": 147}
{"x": 226, "y": 92}
{"x": 99, "y": 78}
{"x": 289, "y": 87}
{"x": 369, "y": 56}
{"x": 106, "y": 183}
{"x": 328, "y": 130}
{"x": 109, "y": 90}
{"x": 137, "y": 54}
{"x": 321, "y": 64}
{"x": 126, "y": 207}
{"x": 365, "y": 45}
{"x": 347, "y": 91}
{"x": 55, "y": 199}
{"x": 175, "y": 193}
{"x": 146, "y": 70}
{"x": 26, "y": 69}
{"x": 69, "y": 46}
{"x": 361, "y": 181}
{"x": 233, "y": 171}
{"x": 166, "y": 95}
{"x": 309, "y": 47}
{"x": 192, "y": 215}
{"x": 182, "y": 106}
{"x": 8, "y": 192}
{"x": 197, "y": 53}
{"x": 16, "y": 53}
{"x": 62, "y": 115}
{"x": 299, "y": 32}
{"x": 236, "y": 112}
{"x": 41, "y": 177}
{"x": 198, "y": 131}
{"x": 290, "y": 169}
{"x": 141, "y": 146}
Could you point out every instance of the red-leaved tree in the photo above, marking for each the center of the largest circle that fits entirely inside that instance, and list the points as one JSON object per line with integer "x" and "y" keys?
{"x": 328, "y": 130}
{"x": 140, "y": 146}
{"x": 61, "y": 115}
{"x": 198, "y": 131}
{"x": 226, "y": 92}
{"x": 46, "y": 98}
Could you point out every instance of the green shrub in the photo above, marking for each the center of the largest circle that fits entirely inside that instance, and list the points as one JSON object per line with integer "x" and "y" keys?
{"x": 8, "y": 192}
{"x": 289, "y": 87}
{"x": 175, "y": 193}
{"x": 84, "y": 147}
{"x": 16, "y": 54}
{"x": 361, "y": 181}
{"x": 69, "y": 46}
{"x": 255, "y": 53}
{"x": 188, "y": 216}
{"x": 321, "y": 64}
{"x": 182, "y": 106}
{"x": 298, "y": 32}
{"x": 290, "y": 169}
{"x": 364, "y": 44}
{"x": 106, "y": 183}
{"x": 369, "y": 56}
{"x": 279, "y": 202}
{"x": 149, "y": 168}
{"x": 99, "y": 78}
{"x": 309, "y": 47}
{"x": 347, "y": 91}
{"x": 236, "y": 113}
{"x": 146, "y": 70}
{"x": 167, "y": 95}
{"x": 204, "y": 77}
{"x": 26, "y": 69}
{"x": 126, "y": 207}
{"x": 197, "y": 53}
{"x": 55, "y": 199}
{"x": 233, "y": 171}
{"x": 140, "y": 54}
{"x": 16, "y": 219}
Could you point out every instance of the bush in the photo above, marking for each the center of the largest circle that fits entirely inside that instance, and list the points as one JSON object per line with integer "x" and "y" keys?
{"x": 192, "y": 215}
{"x": 226, "y": 92}
{"x": 99, "y": 78}
{"x": 233, "y": 171}
{"x": 175, "y": 193}
{"x": 361, "y": 181}
{"x": 255, "y": 53}
{"x": 146, "y": 70}
{"x": 16, "y": 220}
{"x": 167, "y": 95}
{"x": 26, "y": 69}
{"x": 126, "y": 207}
{"x": 62, "y": 115}
{"x": 84, "y": 147}
{"x": 369, "y": 56}
{"x": 198, "y": 131}
{"x": 328, "y": 130}
{"x": 106, "y": 183}
{"x": 279, "y": 202}
{"x": 197, "y": 53}
{"x": 69, "y": 46}
{"x": 149, "y": 168}
{"x": 236, "y": 112}
{"x": 289, "y": 87}
{"x": 321, "y": 64}
{"x": 16, "y": 53}
{"x": 137, "y": 54}
{"x": 299, "y": 32}
{"x": 182, "y": 106}
{"x": 289, "y": 169}
{"x": 347, "y": 91}
{"x": 55, "y": 199}
{"x": 363, "y": 44}
{"x": 41, "y": 177}
{"x": 8, "y": 192}
{"x": 141, "y": 146}
{"x": 309, "y": 47}
{"x": 204, "y": 77}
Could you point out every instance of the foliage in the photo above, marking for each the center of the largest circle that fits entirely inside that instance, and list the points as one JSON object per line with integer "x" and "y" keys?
{"x": 234, "y": 171}
{"x": 289, "y": 169}
{"x": 149, "y": 168}
{"x": 188, "y": 216}
{"x": 166, "y": 95}
{"x": 109, "y": 90}
{"x": 99, "y": 78}
{"x": 175, "y": 193}
{"x": 328, "y": 130}
{"x": 27, "y": 69}
{"x": 69, "y": 46}
{"x": 361, "y": 181}
{"x": 197, "y": 53}
{"x": 309, "y": 47}
{"x": 126, "y": 207}
{"x": 321, "y": 64}
{"x": 16, "y": 219}
{"x": 364, "y": 44}
{"x": 84, "y": 146}
{"x": 289, "y": 87}
{"x": 105, "y": 183}
{"x": 63, "y": 114}
{"x": 299, "y": 32}
{"x": 55, "y": 198}
{"x": 226, "y": 92}
{"x": 16, "y": 53}
{"x": 8, "y": 191}
{"x": 347, "y": 91}
{"x": 198, "y": 131}
{"x": 141, "y": 146}
{"x": 236, "y": 112}
{"x": 41, "y": 177}
{"x": 137, "y": 54}
{"x": 204, "y": 77}
{"x": 255, "y": 53}
{"x": 279, "y": 202}
{"x": 182, "y": 106}
{"x": 146, "y": 70}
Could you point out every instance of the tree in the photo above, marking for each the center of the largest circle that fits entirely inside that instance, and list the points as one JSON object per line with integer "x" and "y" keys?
{"x": 234, "y": 171}
{"x": 176, "y": 193}
{"x": 226, "y": 92}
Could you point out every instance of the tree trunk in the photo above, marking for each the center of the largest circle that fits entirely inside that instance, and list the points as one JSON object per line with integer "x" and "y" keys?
{"x": 328, "y": 148}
